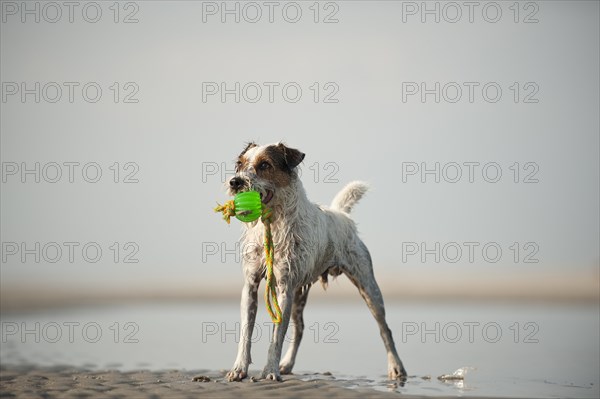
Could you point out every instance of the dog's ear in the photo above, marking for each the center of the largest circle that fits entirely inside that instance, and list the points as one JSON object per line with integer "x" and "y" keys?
{"x": 291, "y": 156}
{"x": 248, "y": 146}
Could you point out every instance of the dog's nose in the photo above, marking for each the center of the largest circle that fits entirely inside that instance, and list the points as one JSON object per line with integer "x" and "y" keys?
{"x": 235, "y": 183}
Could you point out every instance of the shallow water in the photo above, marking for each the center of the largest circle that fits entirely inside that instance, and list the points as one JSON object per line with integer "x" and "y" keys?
{"x": 544, "y": 350}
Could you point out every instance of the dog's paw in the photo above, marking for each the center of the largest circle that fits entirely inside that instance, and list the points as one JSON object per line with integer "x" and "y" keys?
{"x": 285, "y": 368}
{"x": 236, "y": 375}
{"x": 396, "y": 372}
{"x": 272, "y": 377}
{"x": 271, "y": 374}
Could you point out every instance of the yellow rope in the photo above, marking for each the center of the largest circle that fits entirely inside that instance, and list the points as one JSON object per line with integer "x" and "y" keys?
{"x": 228, "y": 210}
{"x": 270, "y": 291}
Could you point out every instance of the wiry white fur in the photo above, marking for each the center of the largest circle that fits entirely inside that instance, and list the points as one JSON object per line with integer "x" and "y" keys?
{"x": 303, "y": 233}
{"x": 349, "y": 196}
{"x": 310, "y": 241}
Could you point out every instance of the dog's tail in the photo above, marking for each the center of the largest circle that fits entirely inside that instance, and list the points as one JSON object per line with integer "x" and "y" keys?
{"x": 349, "y": 196}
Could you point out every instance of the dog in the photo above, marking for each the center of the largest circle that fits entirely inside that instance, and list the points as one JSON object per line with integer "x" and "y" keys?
{"x": 311, "y": 242}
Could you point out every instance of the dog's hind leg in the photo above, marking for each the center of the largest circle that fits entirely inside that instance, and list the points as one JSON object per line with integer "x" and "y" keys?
{"x": 286, "y": 365}
{"x": 363, "y": 278}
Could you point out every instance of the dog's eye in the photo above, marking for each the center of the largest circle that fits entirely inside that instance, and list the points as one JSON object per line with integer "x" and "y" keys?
{"x": 238, "y": 165}
{"x": 264, "y": 165}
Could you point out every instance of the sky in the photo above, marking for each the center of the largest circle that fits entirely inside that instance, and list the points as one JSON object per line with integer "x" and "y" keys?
{"x": 477, "y": 129}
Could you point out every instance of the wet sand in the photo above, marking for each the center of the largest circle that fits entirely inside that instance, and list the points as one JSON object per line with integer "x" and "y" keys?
{"x": 66, "y": 382}
{"x": 340, "y": 338}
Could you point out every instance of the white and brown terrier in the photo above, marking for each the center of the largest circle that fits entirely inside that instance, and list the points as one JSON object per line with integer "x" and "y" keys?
{"x": 311, "y": 242}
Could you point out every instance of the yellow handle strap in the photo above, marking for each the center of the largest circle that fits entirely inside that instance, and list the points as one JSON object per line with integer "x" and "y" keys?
{"x": 270, "y": 291}
{"x": 228, "y": 210}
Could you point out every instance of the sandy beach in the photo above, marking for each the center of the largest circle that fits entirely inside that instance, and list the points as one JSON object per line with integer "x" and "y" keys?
{"x": 156, "y": 350}
{"x": 436, "y": 162}
{"x": 66, "y": 382}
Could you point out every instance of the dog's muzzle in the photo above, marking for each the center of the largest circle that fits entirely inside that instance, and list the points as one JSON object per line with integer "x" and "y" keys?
{"x": 238, "y": 184}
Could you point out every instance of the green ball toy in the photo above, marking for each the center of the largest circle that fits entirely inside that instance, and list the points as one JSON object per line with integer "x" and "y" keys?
{"x": 248, "y": 206}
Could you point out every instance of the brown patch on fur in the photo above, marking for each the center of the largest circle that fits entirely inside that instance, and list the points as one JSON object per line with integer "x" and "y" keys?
{"x": 241, "y": 161}
{"x": 291, "y": 156}
{"x": 286, "y": 158}
{"x": 276, "y": 163}
{"x": 271, "y": 165}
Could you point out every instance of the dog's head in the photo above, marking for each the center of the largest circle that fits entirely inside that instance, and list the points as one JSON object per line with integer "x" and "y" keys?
{"x": 267, "y": 169}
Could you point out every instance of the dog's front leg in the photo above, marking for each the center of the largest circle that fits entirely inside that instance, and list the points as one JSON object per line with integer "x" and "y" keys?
{"x": 248, "y": 317}
{"x": 271, "y": 370}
